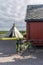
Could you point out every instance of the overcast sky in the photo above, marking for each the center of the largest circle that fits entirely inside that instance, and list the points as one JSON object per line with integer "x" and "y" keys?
{"x": 14, "y": 11}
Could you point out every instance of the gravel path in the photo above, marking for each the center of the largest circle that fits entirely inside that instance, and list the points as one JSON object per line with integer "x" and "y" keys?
{"x": 8, "y": 55}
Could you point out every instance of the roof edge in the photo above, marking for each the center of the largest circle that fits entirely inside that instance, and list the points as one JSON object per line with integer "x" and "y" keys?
{"x": 35, "y": 6}
{"x": 34, "y": 20}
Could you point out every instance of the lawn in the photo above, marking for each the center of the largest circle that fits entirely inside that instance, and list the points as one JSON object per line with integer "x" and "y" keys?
{"x": 4, "y": 32}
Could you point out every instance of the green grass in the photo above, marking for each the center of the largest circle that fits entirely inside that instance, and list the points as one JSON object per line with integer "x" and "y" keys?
{"x": 3, "y": 32}
{"x": 8, "y": 38}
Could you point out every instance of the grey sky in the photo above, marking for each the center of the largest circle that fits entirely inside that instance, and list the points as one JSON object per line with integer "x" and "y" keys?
{"x": 14, "y": 11}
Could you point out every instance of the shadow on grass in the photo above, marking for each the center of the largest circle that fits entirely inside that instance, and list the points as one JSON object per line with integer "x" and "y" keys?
{"x": 27, "y": 58}
{"x": 31, "y": 59}
{"x": 7, "y": 48}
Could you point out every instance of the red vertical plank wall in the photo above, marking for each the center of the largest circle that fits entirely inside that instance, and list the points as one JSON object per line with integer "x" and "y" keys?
{"x": 36, "y": 31}
{"x": 27, "y": 31}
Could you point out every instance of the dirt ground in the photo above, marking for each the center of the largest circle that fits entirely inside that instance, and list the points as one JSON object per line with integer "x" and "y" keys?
{"x": 8, "y": 55}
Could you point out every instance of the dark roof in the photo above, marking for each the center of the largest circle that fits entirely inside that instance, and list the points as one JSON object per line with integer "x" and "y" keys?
{"x": 34, "y": 13}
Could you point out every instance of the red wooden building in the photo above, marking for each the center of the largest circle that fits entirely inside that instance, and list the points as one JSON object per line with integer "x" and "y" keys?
{"x": 34, "y": 24}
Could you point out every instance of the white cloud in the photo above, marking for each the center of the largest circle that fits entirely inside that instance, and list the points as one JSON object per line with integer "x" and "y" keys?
{"x": 14, "y": 10}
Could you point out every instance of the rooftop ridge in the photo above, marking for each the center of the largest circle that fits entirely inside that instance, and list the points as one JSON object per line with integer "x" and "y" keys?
{"x": 35, "y": 6}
